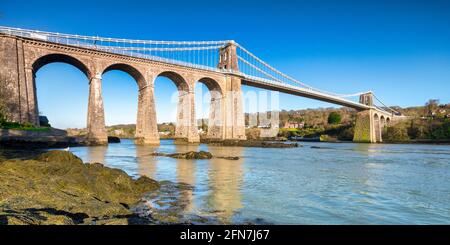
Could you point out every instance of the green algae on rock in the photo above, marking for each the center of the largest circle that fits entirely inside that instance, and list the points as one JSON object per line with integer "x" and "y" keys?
{"x": 185, "y": 155}
{"x": 58, "y": 188}
{"x": 193, "y": 155}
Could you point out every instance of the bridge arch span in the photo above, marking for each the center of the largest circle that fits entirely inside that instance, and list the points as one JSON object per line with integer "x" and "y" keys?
{"x": 62, "y": 58}
{"x": 382, "y": 126}
{"x": 382, "y": 121}
{"x": 179, "y": 81}
{"x": 34, "y": 65}
{"x": 215, "y": 119}
{"x": 186, "y": 126}
{"x": 211, "y": 84}
{"x": 129, "y": 69}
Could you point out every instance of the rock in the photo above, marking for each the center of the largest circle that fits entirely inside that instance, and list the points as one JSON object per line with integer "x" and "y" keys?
{"x": 230, "y": 158}
{"x": 186, "y": 155}
{"x": 192, "y": 155}
{"x": 59, "y": 157}
{"x": 43, "y": 121}
{"x": 58, "y": 188}
{"x": 113, "y": 139}
{"x": 145, "y": 184}
{"x": 320, "y": 147}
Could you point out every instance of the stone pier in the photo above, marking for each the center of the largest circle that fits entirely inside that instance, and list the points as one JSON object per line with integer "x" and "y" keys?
{"x": 146, "y": 126}
{"x": 96, "y": 114}
{"x": 186, "y": 127}
{"x": 215, "y": 121}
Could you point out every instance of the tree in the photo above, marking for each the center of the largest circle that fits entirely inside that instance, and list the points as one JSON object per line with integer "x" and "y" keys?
{"x": 413, "y": 131}
{"x": 396, "y": 133}
{"x": 432, "y": 105}
{"x": 334, "y": 118}
{"x": 446, "y": 128}
{"x": 441, "y": 131}
{"x": 346, "y": 134}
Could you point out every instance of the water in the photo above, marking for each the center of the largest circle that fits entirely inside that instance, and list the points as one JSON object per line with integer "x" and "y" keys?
{"x": 338, "y": 184}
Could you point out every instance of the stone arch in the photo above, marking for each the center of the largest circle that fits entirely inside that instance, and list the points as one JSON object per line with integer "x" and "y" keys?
{"x": 63, "y": 58}
{"x": 140, "y": 81}
{"x": 377, "y": 127}
{"x": 382, "y": 121}
{"x": 132, "y": 71}
{"x": 215, "y": 120}
{"x": 388, "y": 121}
{"x": 186, "y": 128}
{"x": 179, "y": 81}
{"x": 211, "y": 84}
{"x": 44, "y": 60}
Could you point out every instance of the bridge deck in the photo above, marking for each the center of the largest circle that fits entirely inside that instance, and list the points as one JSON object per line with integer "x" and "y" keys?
{"x": 304, "y": 92}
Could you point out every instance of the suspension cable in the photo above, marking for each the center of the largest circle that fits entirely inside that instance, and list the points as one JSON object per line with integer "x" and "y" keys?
{"x": 290, "y": 78}
{"x": 384, "y": 104}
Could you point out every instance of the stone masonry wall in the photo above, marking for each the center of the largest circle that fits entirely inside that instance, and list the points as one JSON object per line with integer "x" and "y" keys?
{"x": 363, "y": 131}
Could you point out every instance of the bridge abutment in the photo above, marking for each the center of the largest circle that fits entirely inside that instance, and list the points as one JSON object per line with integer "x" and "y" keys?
{"x": 369, "y": 126}
{"x": 363, "y": 127}
{"x": 17, "y": 82}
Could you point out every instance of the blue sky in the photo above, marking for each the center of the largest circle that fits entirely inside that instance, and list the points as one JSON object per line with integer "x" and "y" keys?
{"x": 398, "y": 49}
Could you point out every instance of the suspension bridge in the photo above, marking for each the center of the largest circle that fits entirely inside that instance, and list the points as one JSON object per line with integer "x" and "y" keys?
{"x": 223, "y": 66}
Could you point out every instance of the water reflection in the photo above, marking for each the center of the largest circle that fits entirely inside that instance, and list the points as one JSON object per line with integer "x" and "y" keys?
{"x": 186, "y": 174}
{"x": 96, "y": 154}
{"x": 225, "y": 183}
{"x": 147, "y": 164}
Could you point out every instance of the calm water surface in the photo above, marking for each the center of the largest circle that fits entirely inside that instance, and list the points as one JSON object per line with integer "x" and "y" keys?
{"x": 338, "y": 184}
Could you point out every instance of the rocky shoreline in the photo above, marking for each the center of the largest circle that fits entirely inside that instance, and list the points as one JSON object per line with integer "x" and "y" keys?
{"x": 56, "y": 187}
